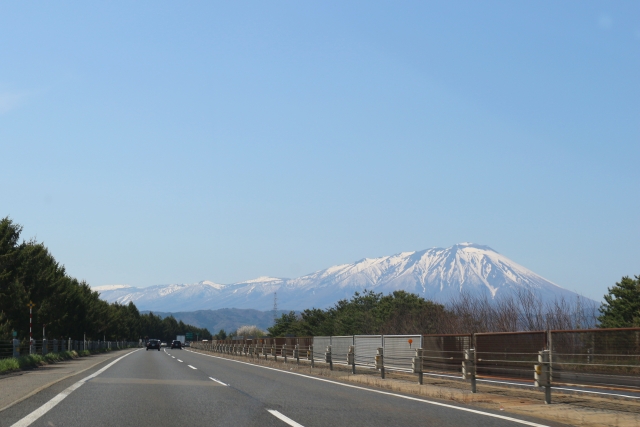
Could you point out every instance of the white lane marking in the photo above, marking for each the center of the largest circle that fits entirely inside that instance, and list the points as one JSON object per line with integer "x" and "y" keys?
{"x": 173, "y": 357}
{"x": 32, "y": 417}
{"x": 284, "y": 418}
{"x": 218, "y": 381}
{"x": 179, "y": 360}
{"x": 431, "y": 402}
{"x": 192, "y": 367}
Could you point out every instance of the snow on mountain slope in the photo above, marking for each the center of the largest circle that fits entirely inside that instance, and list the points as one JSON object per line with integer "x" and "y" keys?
{"x": 438, "y": 274}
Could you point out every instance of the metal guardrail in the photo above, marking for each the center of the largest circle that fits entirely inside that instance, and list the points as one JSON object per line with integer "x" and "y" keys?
{"x": 606, "y": 358}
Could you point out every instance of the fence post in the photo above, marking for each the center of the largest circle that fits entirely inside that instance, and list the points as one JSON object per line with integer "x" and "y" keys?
{"x": 16, "y": 348}
{"x": 417, "y": 365}
{"x": 310, "y": 355}
{"x": 327, "y": 358}
{"x": 469, "y": 368}
{"x": 380, "y": 361}
{"x": 351, "y": 359}
{"x": 296, "y": 353}
{"x": 284, "y": 352}
{"x": 44, "y": 346}
{"x": 542, "y": 375}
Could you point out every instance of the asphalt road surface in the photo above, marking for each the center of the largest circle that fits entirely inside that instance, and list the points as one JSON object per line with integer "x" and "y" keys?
{"x": 171, "y": 387}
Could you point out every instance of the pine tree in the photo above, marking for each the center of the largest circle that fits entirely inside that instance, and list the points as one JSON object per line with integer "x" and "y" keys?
{"x": 621, "y": 308}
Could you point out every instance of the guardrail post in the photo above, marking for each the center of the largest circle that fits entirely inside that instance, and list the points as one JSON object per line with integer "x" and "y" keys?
{"x": 327, "y": 358}
{"x": 274, "y": 352}
{"x": 542, "y": 374}
{"x": 284, "y": 352}
{"x": 351, "y": 358}
{"x": 380, "y": 361}
{"x": 469, "y": 368}
{"x": 416, "y": 364}
{"x": 296, "y": 353}
{"x": 310, "y": 355}
{"x": 16, "y": 348}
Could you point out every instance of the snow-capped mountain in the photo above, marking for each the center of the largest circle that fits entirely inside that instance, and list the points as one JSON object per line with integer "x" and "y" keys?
{"x": 437, "y": 274}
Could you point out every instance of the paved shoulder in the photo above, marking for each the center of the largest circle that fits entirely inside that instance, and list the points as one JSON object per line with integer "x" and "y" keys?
{"x": 16, "y": 387}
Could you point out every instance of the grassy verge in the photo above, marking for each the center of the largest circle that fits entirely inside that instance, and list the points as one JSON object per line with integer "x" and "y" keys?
{"x": 33, "y": 360}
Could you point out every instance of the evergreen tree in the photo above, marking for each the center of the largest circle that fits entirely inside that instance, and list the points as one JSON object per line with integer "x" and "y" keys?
{"x": 622, "y": 305}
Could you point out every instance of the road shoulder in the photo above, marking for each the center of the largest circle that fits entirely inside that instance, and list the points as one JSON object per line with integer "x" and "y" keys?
{"x": 18, "y": 386}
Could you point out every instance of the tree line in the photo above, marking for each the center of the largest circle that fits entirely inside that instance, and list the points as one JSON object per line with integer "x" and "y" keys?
{"x": 405, "y": 313}
{"x": 68, "y": 307}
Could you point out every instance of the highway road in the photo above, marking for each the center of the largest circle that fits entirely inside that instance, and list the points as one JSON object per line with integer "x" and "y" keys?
{"x": 171, "y": 387}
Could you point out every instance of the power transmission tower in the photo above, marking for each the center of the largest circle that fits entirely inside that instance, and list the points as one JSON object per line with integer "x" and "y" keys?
{"x": 275, "y": 307}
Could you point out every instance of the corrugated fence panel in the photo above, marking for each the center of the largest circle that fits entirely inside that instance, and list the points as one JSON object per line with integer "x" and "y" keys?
{"x": 366, "y": 348}
{"x": 399, "y": 352}
{"x": 340, "y": 348}
{"x": 320, "y": 347}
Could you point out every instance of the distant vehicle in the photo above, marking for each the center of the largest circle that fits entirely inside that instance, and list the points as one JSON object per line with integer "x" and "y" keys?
{"x": 176, "y": 344}
{"x": 153, "y": 344}
{"x": 163, "y": 344}
{"x": 187, "y": 344}
{"x": 181, "y": 338}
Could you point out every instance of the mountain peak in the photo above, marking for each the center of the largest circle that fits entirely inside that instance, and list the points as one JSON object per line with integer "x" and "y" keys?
{"x": 437, "y": 274}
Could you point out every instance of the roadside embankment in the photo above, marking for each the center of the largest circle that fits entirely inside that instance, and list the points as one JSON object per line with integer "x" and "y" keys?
{"x": 13, "y": 364}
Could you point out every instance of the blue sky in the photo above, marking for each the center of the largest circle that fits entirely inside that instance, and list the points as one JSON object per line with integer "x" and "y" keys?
{"x": 165, "y": 142}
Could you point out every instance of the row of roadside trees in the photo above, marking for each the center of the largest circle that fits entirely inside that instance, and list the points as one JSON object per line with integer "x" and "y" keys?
{"x": 68, "y": 307}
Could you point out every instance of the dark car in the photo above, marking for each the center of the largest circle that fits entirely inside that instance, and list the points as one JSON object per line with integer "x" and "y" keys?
{"x": 153, "y": 344}
{"x": 176, "y": 344}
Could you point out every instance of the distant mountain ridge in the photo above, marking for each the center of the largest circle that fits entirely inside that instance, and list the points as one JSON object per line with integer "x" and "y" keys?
{"x": 438, "y": 274}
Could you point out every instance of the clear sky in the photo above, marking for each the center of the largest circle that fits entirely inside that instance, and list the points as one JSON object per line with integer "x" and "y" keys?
{"x": 173, "y": 142}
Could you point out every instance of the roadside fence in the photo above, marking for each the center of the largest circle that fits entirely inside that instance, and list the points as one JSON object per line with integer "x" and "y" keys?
{"x": 607, "y": 359}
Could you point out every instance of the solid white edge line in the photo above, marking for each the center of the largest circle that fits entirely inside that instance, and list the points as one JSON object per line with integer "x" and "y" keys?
{"x": 218, "y": 381}
{"x": 431, "y": 402}
{"x": 33, "y": 416}
{"x": 192, "y": 367}
{"x": 284, "y": 418}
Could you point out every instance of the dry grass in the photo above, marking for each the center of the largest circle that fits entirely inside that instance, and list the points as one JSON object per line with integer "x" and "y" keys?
{"x": 572, "y": 409}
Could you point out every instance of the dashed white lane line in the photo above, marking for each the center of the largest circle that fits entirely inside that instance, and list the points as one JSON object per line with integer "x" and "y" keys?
{"x": 192, "y": 367}
{"x": 179, "y": 360}
{"x": 32, "y": 417}
{"x": 218, "y": 381}
{"x": 284, "y": 418}
{"x": 431, "y": 402}
{"x": 173, "y": 357}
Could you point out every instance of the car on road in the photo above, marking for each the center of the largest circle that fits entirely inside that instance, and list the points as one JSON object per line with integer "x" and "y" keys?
{"x": 176, "y": 344}
{"x": 153, "y": 344}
